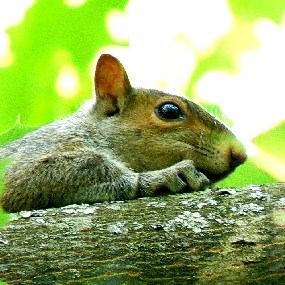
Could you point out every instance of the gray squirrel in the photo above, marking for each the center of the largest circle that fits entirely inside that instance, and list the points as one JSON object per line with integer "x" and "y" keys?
{"x": 132, "y": 142}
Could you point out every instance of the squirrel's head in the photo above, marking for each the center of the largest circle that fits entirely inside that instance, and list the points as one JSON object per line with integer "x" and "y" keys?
{"x": 151, "y": 130}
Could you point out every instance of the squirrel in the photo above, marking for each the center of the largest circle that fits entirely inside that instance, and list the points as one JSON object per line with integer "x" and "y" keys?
{"x": 131, "y": 143}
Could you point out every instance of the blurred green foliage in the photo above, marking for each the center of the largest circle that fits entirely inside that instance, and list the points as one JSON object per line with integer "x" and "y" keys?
{"x": 51, "y": 36}
{"x": 253, "y": 9}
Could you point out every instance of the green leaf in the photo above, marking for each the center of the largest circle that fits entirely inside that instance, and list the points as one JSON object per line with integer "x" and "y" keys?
{"x": 272, "y": 141}
{"x": 18, "y": 131}
{"x": 247, "y": 174}
{"x": 250, "y": 10}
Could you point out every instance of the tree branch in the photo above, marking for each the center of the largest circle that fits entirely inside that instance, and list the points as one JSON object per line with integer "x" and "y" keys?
{"x": 219, "y": 236}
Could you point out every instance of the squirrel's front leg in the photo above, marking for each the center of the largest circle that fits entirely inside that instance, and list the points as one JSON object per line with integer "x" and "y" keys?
{"x": 64, "y": 178}
{"x": 176, "y": 178}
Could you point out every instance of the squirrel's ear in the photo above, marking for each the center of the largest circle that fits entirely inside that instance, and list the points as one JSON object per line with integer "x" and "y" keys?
{"x": 112, "y": 84}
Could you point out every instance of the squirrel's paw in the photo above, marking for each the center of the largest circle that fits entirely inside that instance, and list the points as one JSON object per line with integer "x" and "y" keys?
{"x": 184, "y": 175}
{"x": 176, "y": 178}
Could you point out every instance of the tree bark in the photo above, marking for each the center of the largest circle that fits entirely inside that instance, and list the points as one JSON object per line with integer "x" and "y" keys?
{"x": 218, "y": 236}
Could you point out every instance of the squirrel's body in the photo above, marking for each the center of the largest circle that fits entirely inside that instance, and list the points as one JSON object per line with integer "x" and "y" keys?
{"x": 131, "y": 143}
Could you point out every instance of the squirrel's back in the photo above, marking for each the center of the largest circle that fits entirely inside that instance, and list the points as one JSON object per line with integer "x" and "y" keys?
{"x": 72, "y": 130}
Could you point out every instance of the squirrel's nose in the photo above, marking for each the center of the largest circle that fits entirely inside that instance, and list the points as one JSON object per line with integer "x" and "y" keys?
{"x": 237, "y": 157}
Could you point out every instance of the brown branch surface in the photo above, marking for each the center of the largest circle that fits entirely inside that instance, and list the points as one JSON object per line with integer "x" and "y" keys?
{"x": 219, "y": 236}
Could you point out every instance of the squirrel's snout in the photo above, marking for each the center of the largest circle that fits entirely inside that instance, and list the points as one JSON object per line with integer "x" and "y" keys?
{"x": 237, "y": 157}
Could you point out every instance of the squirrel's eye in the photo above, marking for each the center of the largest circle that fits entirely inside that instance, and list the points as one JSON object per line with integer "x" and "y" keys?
{"x": 169, "y": 111}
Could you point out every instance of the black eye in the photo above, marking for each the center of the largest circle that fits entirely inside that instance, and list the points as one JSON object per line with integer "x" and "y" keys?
{"x": 169, "y": 111}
